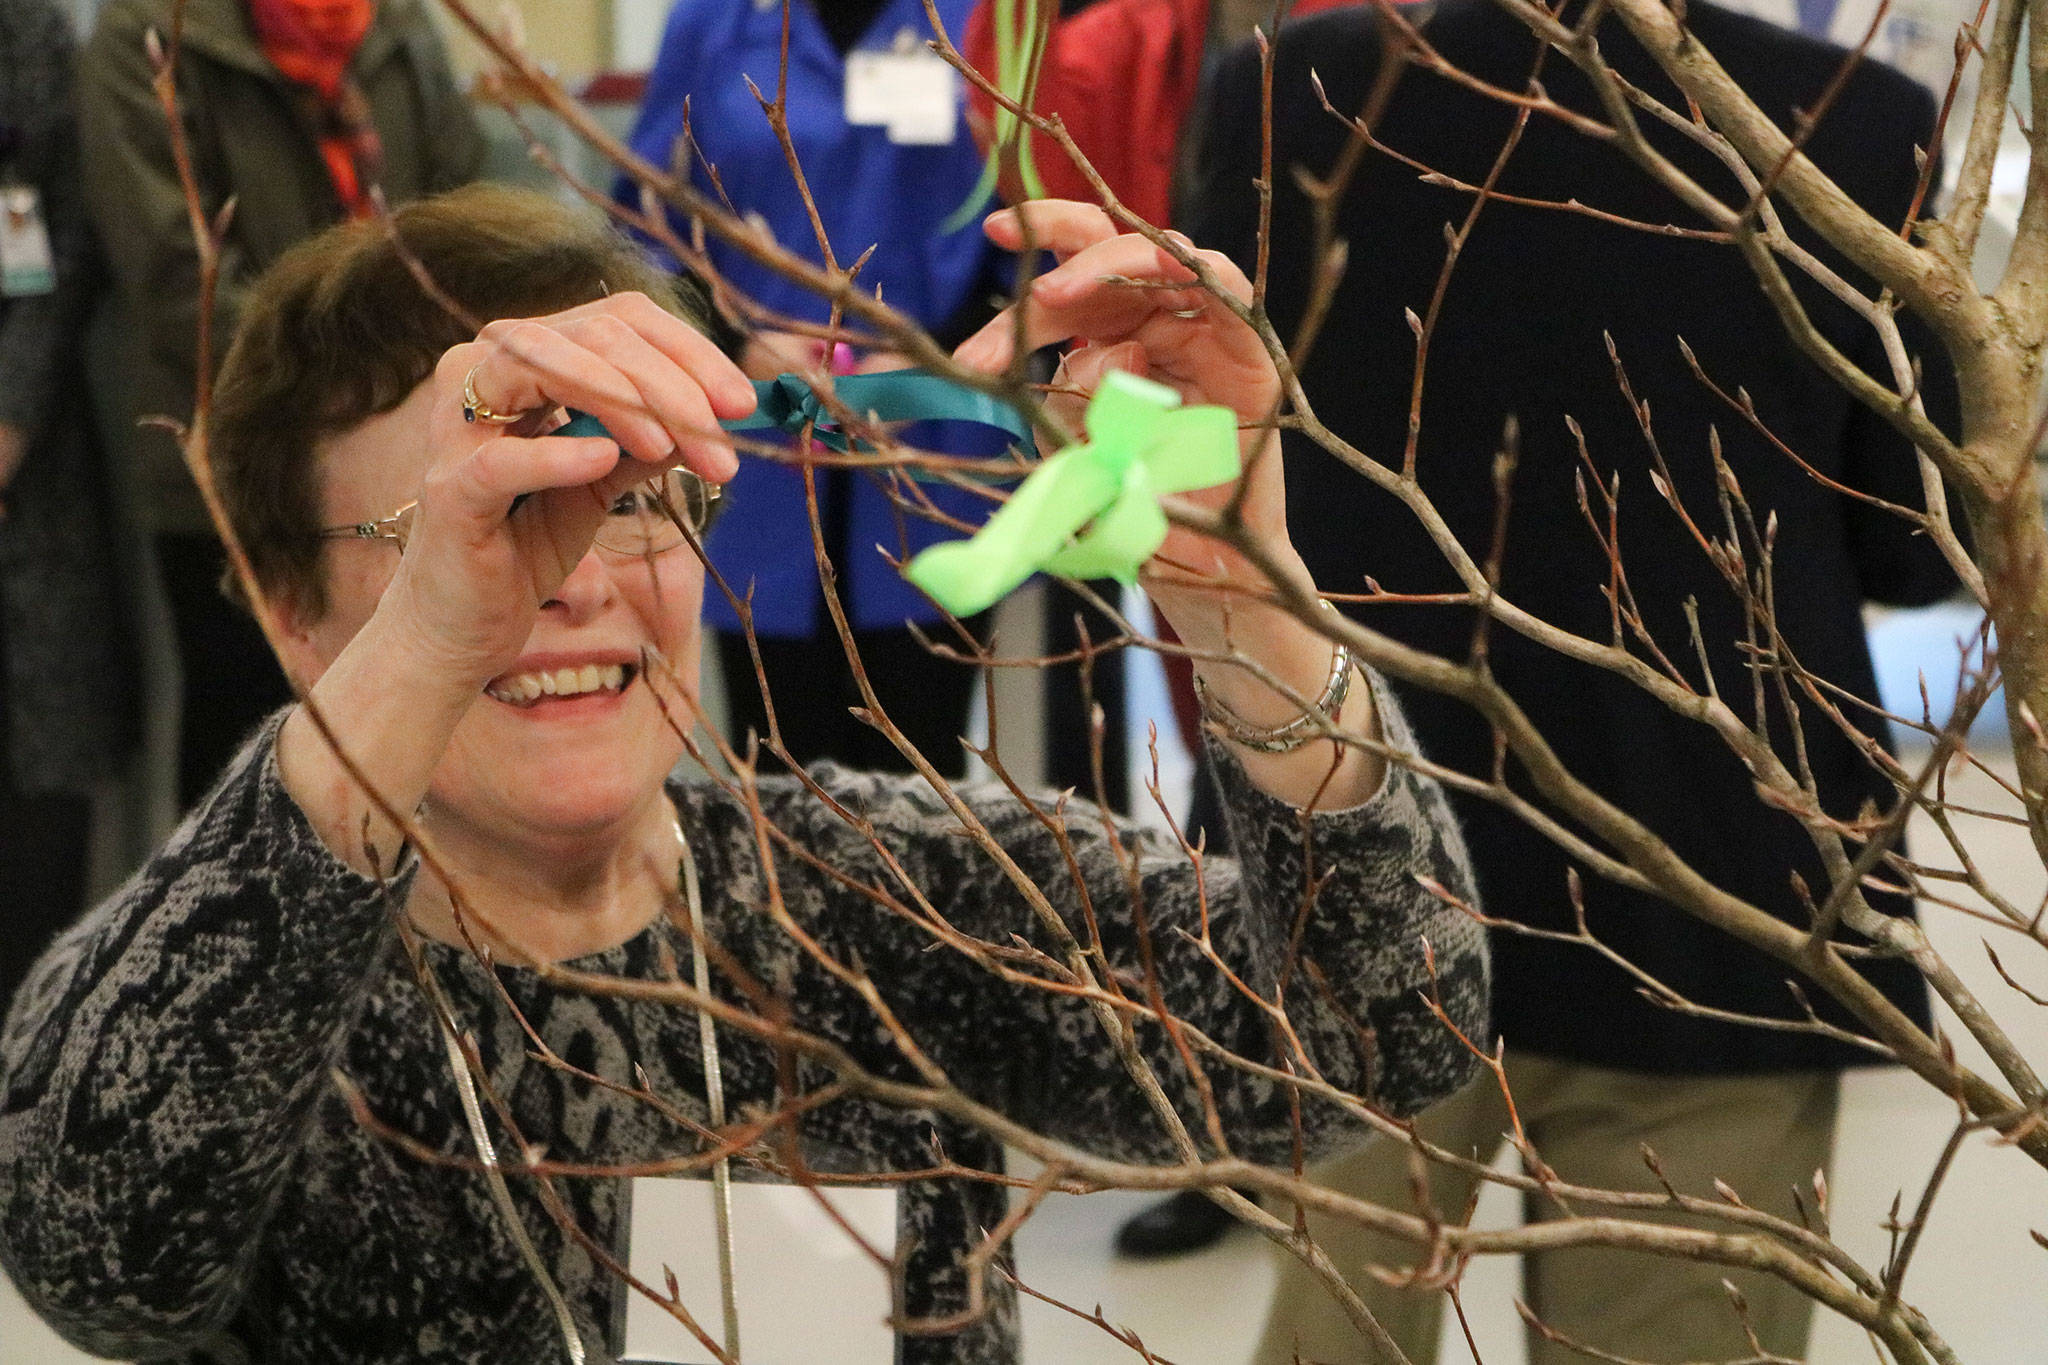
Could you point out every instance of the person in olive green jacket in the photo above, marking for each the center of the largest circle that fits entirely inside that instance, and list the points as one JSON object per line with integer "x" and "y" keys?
{"x": 293, "y": 109}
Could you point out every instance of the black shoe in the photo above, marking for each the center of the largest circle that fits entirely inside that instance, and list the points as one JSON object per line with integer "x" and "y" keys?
{"x": 1188, "y": 1221}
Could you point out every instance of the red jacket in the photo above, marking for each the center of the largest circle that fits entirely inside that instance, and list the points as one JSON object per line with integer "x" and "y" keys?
{"x": 1122, "y": 75}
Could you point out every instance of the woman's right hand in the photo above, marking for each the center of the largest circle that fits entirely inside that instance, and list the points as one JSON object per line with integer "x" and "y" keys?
{"x": 504, "y": 516}
{"x": 505, "y": 513}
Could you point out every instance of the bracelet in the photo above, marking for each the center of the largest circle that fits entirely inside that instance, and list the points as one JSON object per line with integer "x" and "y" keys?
{"x": 1284, "y": 739}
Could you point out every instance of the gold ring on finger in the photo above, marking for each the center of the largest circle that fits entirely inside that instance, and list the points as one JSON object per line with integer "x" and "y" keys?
{"x": 474, "y": 409}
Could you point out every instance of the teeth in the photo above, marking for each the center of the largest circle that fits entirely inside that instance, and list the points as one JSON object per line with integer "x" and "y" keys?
{"x": 525, "y": 688}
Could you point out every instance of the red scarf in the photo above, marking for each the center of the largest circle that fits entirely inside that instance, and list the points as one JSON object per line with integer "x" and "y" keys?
{"x": 311, "y": 43}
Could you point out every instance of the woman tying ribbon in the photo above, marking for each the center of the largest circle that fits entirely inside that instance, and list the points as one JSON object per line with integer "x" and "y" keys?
{"x": 502, "y": 637}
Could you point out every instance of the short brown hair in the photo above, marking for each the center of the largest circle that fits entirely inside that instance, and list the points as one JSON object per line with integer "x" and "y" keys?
{"x": 340, "y": 329}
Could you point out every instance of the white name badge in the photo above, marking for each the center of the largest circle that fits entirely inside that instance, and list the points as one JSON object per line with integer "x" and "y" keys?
{"x": 913, "y": 94}
{"x": 806, "y": 1292}
{"x": 26, "y": 265}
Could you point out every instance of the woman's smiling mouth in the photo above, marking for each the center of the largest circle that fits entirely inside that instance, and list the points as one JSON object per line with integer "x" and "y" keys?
{"x": 533, "y": 687}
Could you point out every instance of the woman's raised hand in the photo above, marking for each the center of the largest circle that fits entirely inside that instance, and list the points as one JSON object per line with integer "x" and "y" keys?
{"x": 1116, "y": 296}
{"x": 1111, "y": 289}
{"x": 506, "y": 512}
{"x": 1134, "y": 307}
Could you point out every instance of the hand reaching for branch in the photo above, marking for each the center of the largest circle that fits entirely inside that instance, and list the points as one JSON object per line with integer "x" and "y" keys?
{"x": 1110, "y": 289}
{"x": 1114, "y": 296}
{"x": 1131, "y": 305}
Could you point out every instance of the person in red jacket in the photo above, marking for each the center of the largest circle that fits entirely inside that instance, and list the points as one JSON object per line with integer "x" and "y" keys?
{"x": 1123, "y": 76}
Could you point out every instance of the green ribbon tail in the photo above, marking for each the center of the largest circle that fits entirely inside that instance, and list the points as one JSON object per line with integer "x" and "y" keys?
{"x": 977, "y": 198}
{"x": 1020, "y": 52}
{"x": 967, "y": 576}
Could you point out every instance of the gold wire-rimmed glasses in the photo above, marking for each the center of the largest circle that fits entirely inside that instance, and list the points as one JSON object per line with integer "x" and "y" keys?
{"x": 642, "y": 521}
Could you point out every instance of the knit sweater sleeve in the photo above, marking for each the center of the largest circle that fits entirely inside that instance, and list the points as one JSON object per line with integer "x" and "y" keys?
{"x": 1349, "y": 882}
{"x": 161, "y": 1066}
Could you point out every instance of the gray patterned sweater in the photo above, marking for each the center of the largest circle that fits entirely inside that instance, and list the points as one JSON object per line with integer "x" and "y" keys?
{"x": 180, "y": 1179}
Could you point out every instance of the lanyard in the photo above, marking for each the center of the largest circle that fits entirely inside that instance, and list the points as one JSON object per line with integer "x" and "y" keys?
{"x": 714, "y": 1093}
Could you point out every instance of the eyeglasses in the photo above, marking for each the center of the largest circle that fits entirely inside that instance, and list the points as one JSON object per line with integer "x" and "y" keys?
{"x": 647, "y": 520}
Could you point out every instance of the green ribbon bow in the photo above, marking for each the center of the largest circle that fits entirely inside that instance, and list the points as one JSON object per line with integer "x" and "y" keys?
{"x": 1142, "y": 444}
{"x": 787, "y": 402}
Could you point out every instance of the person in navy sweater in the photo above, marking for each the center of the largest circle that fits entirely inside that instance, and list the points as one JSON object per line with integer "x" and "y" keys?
{"x": 1598, "y": 1070}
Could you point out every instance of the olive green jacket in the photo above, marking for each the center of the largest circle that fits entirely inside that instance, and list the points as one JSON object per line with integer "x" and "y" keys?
{"x": 249, "y": 143}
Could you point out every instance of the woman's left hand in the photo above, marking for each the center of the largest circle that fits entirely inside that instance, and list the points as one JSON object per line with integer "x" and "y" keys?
{"x": 1134, "y": 307}
{"x": 1115, "y": 295}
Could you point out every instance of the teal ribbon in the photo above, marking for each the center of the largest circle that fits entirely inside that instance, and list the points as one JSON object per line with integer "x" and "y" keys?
{"x": 787, "y": 403}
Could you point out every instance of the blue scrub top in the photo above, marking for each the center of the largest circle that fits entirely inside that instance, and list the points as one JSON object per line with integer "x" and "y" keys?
{"x": 870, "y": 192}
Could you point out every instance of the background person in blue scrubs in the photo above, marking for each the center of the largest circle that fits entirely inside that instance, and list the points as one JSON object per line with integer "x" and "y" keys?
{"x": 890, "y": 185}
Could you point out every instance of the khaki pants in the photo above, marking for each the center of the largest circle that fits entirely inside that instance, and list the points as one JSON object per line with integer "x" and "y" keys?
{"x": 1761, "y": 1134}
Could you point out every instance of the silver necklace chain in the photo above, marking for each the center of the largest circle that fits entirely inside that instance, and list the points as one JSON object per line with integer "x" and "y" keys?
{"x": 714, "y": 1094}
{"x": 501, "y": 1194}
